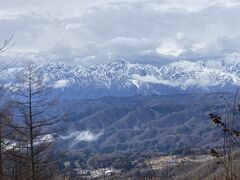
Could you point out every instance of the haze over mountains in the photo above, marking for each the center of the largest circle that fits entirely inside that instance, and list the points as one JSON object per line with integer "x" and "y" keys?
{"x": 122, "y": 78}
{"x": 128, "y": 107}
{"x": 140, "y": 123}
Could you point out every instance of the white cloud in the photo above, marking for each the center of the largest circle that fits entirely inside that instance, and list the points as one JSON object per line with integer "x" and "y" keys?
{"x": 83, "y": 31}
{"x": 87, "y": 136}
{"x": 79, "y": 136}
{"x": 190, "y": 5}
{"x": 170, "y": 48}
{"x": 61, "y": 83}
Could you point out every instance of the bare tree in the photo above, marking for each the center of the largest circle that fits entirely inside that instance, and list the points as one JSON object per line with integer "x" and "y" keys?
{"x": 5, "y": 116}
{"x": 7, "y": 44}
{"x": 5, "y": 141}
{"x": 231, "y": 137}
{"x": 34, "y": 104}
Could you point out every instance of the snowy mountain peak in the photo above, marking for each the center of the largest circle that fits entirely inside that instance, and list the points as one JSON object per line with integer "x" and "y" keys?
{"x": 124, "y": 78}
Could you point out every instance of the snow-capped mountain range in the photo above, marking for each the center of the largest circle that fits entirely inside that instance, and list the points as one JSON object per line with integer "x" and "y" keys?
{"x": 122, "y": 78}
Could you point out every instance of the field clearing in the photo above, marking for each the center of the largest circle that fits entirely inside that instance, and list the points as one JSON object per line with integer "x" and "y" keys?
{"x": 167, "y": 161}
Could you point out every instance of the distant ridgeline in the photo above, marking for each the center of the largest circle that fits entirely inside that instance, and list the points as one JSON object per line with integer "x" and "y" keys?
{"x": 122, "y": 78}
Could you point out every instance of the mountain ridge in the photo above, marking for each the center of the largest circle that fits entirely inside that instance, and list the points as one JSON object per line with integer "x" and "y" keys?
{"x": 121, "y": 78}
{"x": 133, "y": 124}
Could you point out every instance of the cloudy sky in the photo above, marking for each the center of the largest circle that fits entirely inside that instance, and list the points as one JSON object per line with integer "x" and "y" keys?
{"x": 100, "y": 31}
